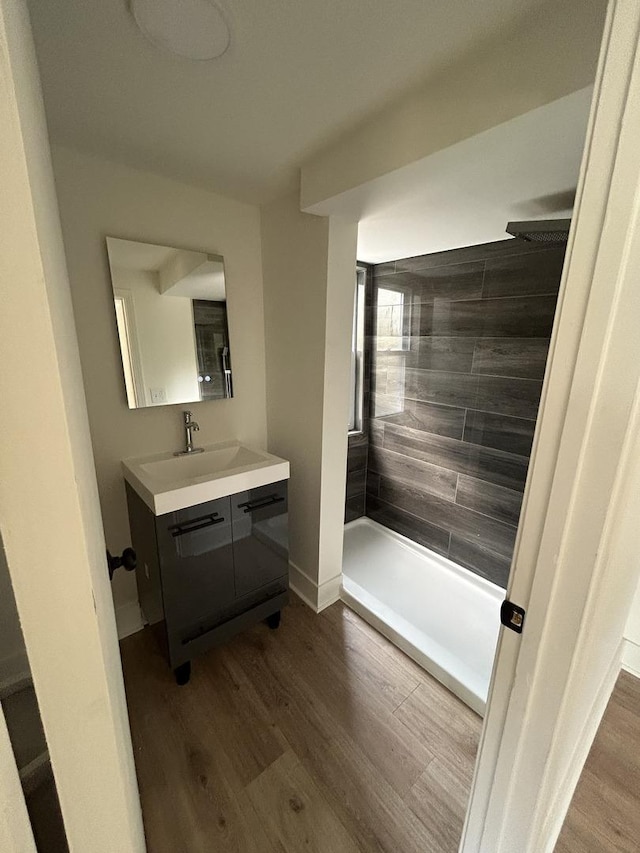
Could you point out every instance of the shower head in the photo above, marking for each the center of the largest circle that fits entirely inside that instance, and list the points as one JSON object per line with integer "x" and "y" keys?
{"x": 540, "y": 230}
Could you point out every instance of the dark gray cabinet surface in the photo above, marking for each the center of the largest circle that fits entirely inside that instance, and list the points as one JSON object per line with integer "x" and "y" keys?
{"x": 196, "y": 556}
{"x": 206, "y": 572}
{"x": 260, "y": 549}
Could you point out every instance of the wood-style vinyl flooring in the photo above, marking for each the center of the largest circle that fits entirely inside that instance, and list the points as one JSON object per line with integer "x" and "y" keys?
{"x": 319, "y": 736}
{"x": 604, "y": 816}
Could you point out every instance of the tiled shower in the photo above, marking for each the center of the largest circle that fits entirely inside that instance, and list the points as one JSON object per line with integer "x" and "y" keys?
{"x": 456, "y": 347}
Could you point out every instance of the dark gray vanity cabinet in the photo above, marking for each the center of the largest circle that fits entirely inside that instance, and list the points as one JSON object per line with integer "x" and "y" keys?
{"x": 209, "y": 571}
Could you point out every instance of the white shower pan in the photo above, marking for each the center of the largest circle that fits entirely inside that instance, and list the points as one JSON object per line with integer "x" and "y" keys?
{"x": 442, "y": 615}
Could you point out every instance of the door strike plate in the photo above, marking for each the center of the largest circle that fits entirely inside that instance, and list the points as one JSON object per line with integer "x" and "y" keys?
{"x": 512, "y": 616}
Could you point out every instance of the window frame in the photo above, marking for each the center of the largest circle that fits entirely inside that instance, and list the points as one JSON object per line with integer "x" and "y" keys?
{"x": 355, "y": 423}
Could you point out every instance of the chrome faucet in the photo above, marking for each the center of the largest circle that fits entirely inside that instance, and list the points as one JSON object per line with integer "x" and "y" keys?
{"x": 190, "y": 427}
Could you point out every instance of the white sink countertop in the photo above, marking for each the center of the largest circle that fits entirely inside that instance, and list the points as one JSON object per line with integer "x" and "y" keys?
{"x": 167, "y": 483}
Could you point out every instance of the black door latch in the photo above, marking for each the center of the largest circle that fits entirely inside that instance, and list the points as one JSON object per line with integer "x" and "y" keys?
{"x": 512, "y": 616}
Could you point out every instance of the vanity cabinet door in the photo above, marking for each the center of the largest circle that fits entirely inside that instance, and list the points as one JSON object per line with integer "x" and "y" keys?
{"x": 196, "y": 558}
{"x": 260, "y": 537}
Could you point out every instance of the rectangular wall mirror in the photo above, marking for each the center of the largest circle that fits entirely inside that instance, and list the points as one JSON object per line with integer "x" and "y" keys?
{"x": 171, "y": 313}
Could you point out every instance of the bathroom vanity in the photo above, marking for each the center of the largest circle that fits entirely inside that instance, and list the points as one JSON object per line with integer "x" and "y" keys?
{"x": 210, "y": 532}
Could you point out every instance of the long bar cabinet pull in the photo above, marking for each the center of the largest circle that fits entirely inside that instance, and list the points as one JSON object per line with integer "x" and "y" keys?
{"x": 196, "y": 524}
{"x": 261, "y": 503}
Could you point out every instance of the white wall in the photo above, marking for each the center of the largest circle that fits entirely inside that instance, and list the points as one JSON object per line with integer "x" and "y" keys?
{"x": 165, "y": 335}
{"x": 309, "y": 280}
{"x": 99, "y": 199}
{"x": 553, "y": 52}
{"x": 49, "y": 511}
{"x": 340, "y": 286}
{"x": 631, "y": 651}
{"x": 294, "y": 252}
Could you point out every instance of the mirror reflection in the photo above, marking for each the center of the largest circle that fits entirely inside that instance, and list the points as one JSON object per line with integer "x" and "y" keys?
{"x": 171, "y": 314}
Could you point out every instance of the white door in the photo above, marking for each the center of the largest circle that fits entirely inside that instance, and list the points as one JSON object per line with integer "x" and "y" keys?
{"x": 574, "y": 568}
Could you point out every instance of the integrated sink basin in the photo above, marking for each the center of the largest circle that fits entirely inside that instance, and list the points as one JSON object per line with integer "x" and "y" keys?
{"x": 167, "y": 483}
{"x": 214, "y": 461}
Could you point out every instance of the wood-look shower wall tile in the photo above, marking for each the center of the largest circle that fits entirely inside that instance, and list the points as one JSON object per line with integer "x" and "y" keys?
{"x": 373, "y": 484}
{"x": 517, "y": 398}
{"x": 358, "y": 442}
{"x": 379, "y": 379}
{"x": 455, "y": 354}
{"x": 482, "y": 252}
{"x": 385, "y": 405}
{"x": 439, "y": 386}
{"x": 422, "y": 320}
{"x": 357, "y": 454}
{"x": 458, "y": 281}
{"x": 535, "y": 273}
{"x": 428, "y": 417}
{"x": 494, "y": 466}
{"x": 489, "y": 499}
{"x": 448, "y": 283}
{"x": 480, "y": 559}
{"x": 519, "y": 357}
{"x": 376, "y": 432}
{"x": 354, "y": 508}
{"x": 432, "y": 478}
{"x": 384, "y": 269}
{"x": 417, "y": 529}
{"x": 507, "y": 396}
{"x": 356, "y": 482}
{"x": 512, "y": 435}
{"x": 513, "y": 316}
{"x": 491, "y": 533}
{"x": 460, "y": 396}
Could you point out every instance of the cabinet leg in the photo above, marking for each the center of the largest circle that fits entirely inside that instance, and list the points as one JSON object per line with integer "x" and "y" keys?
{"x": 183, "y": 673}
{"x": 273, "y": 621}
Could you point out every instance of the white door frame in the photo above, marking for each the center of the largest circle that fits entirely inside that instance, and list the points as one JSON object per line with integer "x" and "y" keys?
{"x": 550, "y": 686}
{"x": 49, "y": 509}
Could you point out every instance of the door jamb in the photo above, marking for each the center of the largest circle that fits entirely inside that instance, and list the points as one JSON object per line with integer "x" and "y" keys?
{"x": 529, "y": 762}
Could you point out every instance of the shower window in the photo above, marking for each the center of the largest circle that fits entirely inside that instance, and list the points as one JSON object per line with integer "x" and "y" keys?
{"x": 393, "y": 320}
{"x": 357, "y": 354}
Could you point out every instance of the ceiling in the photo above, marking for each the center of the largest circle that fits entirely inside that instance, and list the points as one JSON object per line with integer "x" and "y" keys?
{"x": 526, "y": 168}
{"x": 200, "y": 276}
{"x": 130, "y": 255}
{"x": 297, "y": 75}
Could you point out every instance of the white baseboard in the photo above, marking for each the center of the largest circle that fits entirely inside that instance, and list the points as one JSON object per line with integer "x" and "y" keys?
{"x": 128, "y": 619}
{"x": 560, "y": 805}
{"x": 329, "y": 592}
{"x": 631, "y": 657}
{"x": 303, "y": 586}
{"x": 316, "y": 597}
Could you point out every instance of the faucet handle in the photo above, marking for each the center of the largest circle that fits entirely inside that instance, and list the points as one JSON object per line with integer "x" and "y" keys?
{"x": 187, "y": 416}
